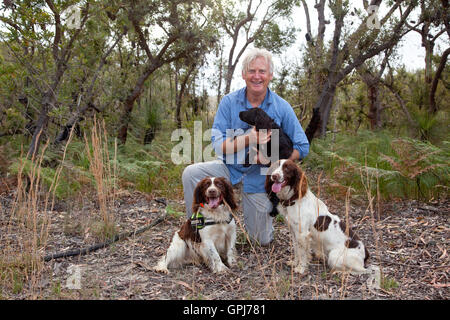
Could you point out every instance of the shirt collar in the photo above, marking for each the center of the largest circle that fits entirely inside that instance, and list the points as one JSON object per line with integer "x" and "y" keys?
{"x": 242, "y": 97}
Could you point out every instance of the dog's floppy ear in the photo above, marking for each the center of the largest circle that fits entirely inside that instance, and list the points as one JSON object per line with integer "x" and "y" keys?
{"x": 297, "y": 178}
{"x": 229, "y": 193}
{"x": 198, "y": 195}
{"x": 268, "y": 184}
{"x": 248, "y": 117}
{"x": 260, "y": 121}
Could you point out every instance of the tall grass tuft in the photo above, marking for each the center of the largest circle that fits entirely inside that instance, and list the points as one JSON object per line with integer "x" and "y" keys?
{"x": 23, "y": 245}
{"x": 104, "y": 172}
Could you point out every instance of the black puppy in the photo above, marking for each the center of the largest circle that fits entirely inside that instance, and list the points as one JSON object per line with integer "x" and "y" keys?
{"x": 260, "y": 120}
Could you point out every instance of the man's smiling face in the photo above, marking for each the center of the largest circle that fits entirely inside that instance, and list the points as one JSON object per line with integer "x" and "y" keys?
{"x": 257, "y": 77}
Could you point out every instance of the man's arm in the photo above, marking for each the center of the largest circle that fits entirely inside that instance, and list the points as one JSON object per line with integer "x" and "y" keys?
{"x": 295, "y": 155}
{"x": 233, "y": 145}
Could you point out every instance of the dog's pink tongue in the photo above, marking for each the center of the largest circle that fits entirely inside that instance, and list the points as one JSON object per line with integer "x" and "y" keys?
{"x": 276, "y": 187}
{"x": 213, "y": 202}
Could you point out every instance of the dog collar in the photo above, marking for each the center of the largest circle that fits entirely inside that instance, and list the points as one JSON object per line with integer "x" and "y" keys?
{"x": 288, "y": 203}
{"x": 198, "y": 221}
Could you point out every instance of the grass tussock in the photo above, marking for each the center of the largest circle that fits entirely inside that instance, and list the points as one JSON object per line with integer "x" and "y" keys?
{"x": 23, "y": 245}
{"x": 104, "y": 171}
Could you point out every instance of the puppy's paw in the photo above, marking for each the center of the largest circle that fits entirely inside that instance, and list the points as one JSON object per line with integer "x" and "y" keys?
{"x": 273, "y": 213}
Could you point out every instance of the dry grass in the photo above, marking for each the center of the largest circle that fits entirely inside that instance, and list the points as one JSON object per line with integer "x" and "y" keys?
{"x": 104, "y": 174}
{"x": 260, "y": 272}
{"x": 24, "y": 243}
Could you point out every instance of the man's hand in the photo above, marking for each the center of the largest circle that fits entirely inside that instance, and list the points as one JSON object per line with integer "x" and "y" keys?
{"x": 259, "y": 158}
{"x": 232, "y": 145}
{"x": 261, "y": 137}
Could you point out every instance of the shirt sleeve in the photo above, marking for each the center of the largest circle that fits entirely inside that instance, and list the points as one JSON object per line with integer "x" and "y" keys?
{"x": 222, "y": 122}
{"x": 291, "y": 126}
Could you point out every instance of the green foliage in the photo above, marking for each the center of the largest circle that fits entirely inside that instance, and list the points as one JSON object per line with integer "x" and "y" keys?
{"x": 173, "y": 212}
{"x": 398, "y": 168}
{"x": 388, "y": 283}
{"x": 47, "y": 174}
{"x": 426, "y": 121}
{"x": 274, "y": 39}
{"x": 13, "y": 121}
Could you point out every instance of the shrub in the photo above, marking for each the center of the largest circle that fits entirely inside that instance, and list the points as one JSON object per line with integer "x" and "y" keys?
{"x": 399, "y": 167}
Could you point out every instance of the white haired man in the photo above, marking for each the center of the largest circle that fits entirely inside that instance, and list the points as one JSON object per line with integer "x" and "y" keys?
{"x": 232, "y": 137}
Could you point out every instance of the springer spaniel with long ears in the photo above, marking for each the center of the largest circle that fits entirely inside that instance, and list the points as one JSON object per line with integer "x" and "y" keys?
{"x": 210, "y": 234}
{"x": 311, "y": 224}
{"x": 262, "y": 121}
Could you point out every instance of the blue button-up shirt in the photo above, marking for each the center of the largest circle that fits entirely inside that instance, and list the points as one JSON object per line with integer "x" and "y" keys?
{"x": 228, "y": 124}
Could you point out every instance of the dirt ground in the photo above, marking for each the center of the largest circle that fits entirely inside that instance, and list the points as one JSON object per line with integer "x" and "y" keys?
{"x": 409, "y": 243}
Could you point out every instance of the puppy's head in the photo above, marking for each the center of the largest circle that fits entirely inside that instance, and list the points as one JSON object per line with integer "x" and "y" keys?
{"x": 285, "y": 173}
{"x": 256, "y": 117}
{"x": 212, "y": 192}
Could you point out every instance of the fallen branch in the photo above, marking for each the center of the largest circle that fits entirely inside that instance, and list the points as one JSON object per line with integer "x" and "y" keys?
{"x": 87, "y": 250}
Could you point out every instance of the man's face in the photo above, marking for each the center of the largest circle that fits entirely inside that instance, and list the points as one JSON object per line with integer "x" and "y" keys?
{"x": 258, "y": 76}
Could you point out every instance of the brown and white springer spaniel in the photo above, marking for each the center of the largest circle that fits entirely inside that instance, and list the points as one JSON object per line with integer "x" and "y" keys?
{"x": 210, "y": 234}
{"x": 311, "y": 224}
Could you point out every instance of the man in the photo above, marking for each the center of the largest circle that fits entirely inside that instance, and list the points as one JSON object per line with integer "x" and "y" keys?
{"x": 232, "y": 137}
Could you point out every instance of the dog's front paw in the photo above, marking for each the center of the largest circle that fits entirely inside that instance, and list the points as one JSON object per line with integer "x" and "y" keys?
{"x": 221, "y": 269}
{"x": 161, "y": 268}
{"x": 231, "y": 261}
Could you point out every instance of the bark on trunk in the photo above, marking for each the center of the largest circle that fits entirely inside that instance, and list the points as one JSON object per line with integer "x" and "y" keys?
{"x": 129, "y": 104}
{"x": 374, "y": 107}
{"x": 41, "y": 124}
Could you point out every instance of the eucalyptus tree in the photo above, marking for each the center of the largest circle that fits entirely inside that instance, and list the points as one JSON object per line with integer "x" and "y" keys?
{"x": 371, "y": 74}
{"x": 350, "y": 47}
{"x": 62, "y": 47}
{"x": 42, "y": 40}
{"x": 432, "y": 24}
{"x": 166, "y": 31}
{"x": 94, "y": 57}
{"x": 258, "y": 22}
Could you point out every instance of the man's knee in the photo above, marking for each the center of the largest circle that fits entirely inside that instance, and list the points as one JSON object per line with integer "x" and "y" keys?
{"x": 190, "y": 173}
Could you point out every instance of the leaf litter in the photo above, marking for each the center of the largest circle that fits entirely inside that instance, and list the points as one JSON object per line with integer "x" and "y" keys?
{"x": 409, "y": 252}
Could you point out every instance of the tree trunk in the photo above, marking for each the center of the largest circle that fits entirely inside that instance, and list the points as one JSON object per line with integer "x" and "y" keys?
{"x": 317, "y": 127}
{"x": 229, "y": 78}
{"x": 177, "y": 102}
{"x": 180, "y": 94}
{"x": 434, "y": 84}
{"x": 41, "y": 124}
{"x": 374, "y": 107}
{"x": 129, "y": 103}
{"x": 219, "y": 85}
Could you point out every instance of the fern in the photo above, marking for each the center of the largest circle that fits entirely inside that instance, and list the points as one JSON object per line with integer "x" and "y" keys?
{"x": 402, "y": 167}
